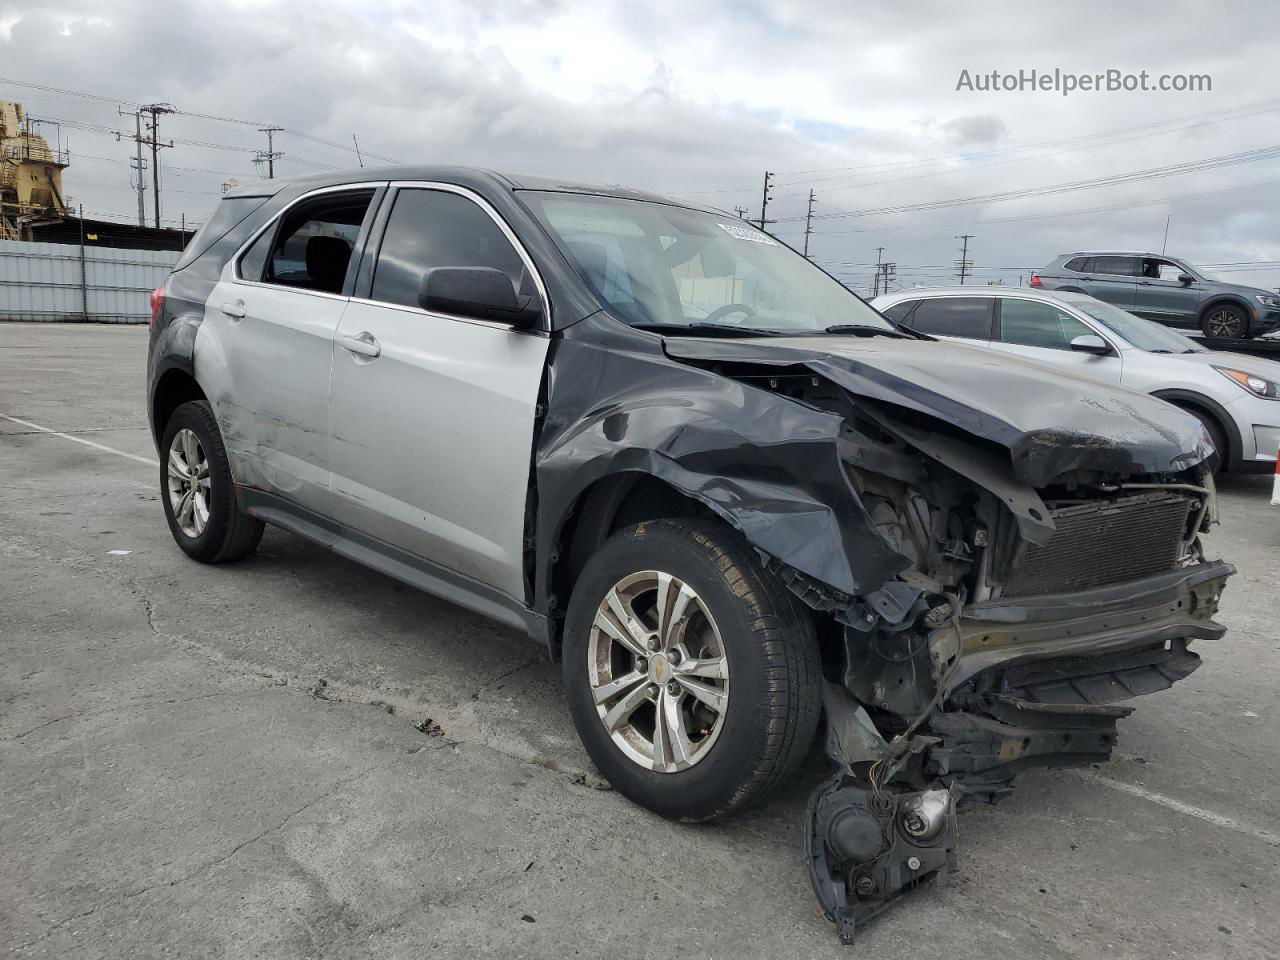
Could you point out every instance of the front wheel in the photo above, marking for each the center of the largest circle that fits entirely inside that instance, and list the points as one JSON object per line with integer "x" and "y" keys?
{"x": 198, "y": 492}
{"x": 1225, "y": 322}
{"x": 692, "y": 675}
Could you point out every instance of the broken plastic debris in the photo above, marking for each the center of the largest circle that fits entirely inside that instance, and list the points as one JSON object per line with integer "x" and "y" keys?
{"x": 118, "y": 553}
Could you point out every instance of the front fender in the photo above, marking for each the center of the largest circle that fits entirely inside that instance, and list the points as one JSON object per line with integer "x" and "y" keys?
{"x": 767, "y": 465}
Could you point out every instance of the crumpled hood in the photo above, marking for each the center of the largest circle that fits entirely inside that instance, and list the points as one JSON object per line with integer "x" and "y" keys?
{"x": 1050, "y": 421}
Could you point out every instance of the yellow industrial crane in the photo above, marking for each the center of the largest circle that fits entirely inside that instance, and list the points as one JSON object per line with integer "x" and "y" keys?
{"x": 30, "y": 176}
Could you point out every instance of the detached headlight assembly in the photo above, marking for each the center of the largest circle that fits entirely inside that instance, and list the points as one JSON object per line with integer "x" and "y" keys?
{"x": 1258, "y": 386}
{"x": 1269, "y": 301}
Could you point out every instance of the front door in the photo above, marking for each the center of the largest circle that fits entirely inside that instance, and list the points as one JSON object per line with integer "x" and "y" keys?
{"x": 1164, "y": 297}
{"x": 267, "y": 343}
{"x": 433, "y": 414}
{"x": 1043, "y": 332}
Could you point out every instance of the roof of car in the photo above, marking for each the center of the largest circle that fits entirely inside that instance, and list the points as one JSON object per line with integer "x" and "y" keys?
{"x": 452, "y": 174}
{"x": 1028, "y": 293}
{"x": 1118, "y": 253}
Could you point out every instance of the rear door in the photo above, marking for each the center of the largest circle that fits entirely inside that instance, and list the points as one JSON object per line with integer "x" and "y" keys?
{"x": 1043, "y": 332}
{"x": 268, "y": 341}
{"x": 1113, "y": 279}
{"x": 1162, "y": 296}
{"x": 966, "y": 319}
{"x": 433, "y": 414}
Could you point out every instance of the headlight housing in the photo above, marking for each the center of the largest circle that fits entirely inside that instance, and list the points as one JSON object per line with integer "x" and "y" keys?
{"x": 1258, "y": 386}
{"x": 1268, "y": 301}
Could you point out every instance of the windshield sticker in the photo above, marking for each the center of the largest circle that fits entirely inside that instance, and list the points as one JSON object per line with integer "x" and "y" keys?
{"x": 746, "y": 233}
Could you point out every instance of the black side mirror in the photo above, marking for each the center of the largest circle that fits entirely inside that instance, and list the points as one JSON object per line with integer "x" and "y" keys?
{"x": 484, "y": 293}
{"x": 1091, "y": 343}
{"x": 1186, "y": 279}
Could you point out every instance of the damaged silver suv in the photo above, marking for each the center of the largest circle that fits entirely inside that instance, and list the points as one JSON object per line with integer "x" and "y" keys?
{"x": 727, "y": 493}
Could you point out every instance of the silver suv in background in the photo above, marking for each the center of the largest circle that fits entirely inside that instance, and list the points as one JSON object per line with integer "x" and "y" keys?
{"x": 1236, "y": 397}
{"x": 1167, "y": 290}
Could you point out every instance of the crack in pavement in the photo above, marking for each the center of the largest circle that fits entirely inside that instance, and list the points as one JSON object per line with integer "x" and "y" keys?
{"x": 203, "y": 868}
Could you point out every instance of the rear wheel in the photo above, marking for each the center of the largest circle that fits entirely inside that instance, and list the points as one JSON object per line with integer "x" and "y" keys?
{"x": 692, "y": 675}
{"x": 1225, "y": 322}
{"x": 198, "y": 493}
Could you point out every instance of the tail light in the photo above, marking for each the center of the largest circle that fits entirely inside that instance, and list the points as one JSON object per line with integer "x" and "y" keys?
{"x": 1035, "y": 281}
{"x": 157, "y": 304}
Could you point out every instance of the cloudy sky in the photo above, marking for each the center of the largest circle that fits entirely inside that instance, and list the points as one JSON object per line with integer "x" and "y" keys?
{"x": 857, "y": 102}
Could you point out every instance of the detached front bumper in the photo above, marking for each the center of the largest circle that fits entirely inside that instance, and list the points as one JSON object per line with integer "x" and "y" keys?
{"x": 1176, "y": 605}
{"x": 1019, "y": 682}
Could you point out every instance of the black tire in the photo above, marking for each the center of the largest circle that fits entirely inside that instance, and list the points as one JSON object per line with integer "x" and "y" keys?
{"x": 769, "y": 642}
{"x": 228, "y": 534}
{"x": 1229, "y": 321}
{"x": 1216, "y": 433}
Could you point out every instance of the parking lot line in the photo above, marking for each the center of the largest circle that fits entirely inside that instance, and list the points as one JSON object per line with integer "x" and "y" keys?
{"x": 88, "y": 443}
{"x": 1200, "y": 813}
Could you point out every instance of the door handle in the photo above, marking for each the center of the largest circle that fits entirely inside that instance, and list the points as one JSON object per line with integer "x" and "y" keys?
{"x": 364, "y": 344}
{"x": 235, "y": 309}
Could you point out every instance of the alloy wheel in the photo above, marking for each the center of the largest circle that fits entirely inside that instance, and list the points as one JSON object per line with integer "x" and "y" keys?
{"x": 1225, "y": 323}
{"x": 658, "y": 671}
{"x": 188, "y": 482}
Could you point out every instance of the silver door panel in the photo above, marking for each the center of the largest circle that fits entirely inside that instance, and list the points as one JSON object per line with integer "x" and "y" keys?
{"x": 432, "y": 439}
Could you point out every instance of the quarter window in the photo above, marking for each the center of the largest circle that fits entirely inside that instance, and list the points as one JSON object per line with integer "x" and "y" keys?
{"x": 898, "y": 312}
{"x": 955, "y": 317}
{"x": 438, "y": 228}
{"x": 1079, "y": 265}
{"x": 311, "y": 247}
{"x": 1031, "y": 324}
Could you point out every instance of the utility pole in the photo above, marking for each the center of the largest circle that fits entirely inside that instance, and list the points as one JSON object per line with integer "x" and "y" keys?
{"x": 808, "y": 224}
{"x": 884, "y": 273}
{"x": 137, "y": 165}
{"x": 875, "y": 287}
{"x": 765, "y": 198}
{"x": 270, "y": 156}
{"x": 964, "y": 263}
{"x": 741, "y": 212}
{"x": 153, "y": 141}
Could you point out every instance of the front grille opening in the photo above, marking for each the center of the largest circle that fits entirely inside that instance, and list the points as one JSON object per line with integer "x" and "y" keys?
{"x": 1105, "y": 542}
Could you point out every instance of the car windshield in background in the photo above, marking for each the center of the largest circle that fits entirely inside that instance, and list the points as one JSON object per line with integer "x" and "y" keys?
{"x": 1143, "y": 334}
{"x": 662, "y": 266}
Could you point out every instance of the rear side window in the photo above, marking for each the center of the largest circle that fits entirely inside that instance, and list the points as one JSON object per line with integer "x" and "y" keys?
{"x": 311, "y": 247}
{"x": 1117, "y": 266}
{"x": 1032, "y": 324}
{"x": 437, "y": 228}
{"x": 1079, "y": 265}
{"x": 898, "y": 312}
{"x": 226, "y": 217}
{"x": 955, "y": 317}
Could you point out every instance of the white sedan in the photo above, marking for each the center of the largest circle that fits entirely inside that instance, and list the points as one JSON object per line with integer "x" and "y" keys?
{"x": 1236, "y": 397}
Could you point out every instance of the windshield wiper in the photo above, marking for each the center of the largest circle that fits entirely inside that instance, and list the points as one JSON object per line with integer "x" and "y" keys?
{"x": 708, "y": 329}
{"x": 865, "y": 330}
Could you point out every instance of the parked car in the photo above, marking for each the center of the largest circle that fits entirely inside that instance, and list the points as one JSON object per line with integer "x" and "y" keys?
{"x": 1236, "y": 397}
{"x": 727, "y": 493}
{"x": 1167, "y": 290}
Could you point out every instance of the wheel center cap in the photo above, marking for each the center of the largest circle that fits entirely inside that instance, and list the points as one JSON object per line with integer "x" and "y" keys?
{"x": 659, "y": 669}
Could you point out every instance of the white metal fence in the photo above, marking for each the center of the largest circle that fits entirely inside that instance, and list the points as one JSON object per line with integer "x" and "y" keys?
{"x": 66, "y": 282}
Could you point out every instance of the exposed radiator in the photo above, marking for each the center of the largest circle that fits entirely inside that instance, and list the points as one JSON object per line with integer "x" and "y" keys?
{"x": 1104, "y": 542}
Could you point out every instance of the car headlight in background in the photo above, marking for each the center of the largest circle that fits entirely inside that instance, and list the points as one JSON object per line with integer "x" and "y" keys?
{"x": 1258, "y": 386}
{"x": 1269, "y": 301}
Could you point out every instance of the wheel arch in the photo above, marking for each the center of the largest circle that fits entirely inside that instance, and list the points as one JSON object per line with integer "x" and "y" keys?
{"x": 1219, "y": 299}
{"x": 174, "y": 387}
{"x": 600, "y": 510}
{"x": 1211, "y": 408}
